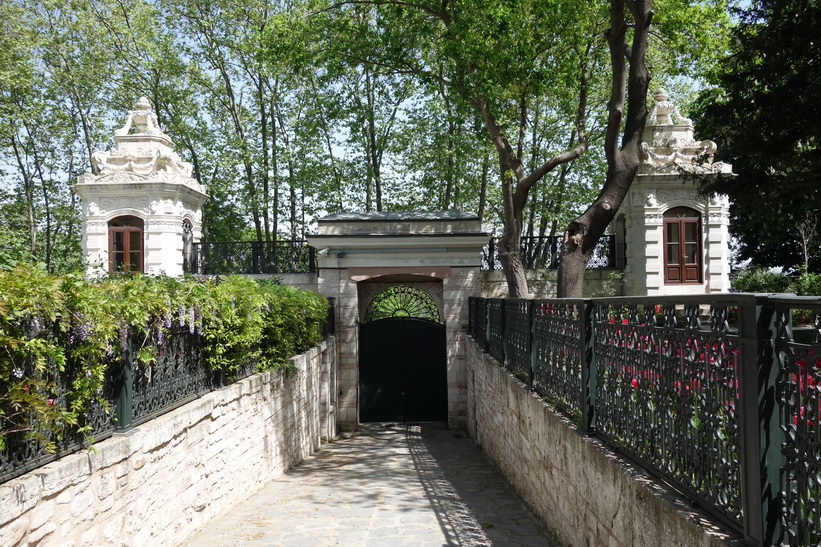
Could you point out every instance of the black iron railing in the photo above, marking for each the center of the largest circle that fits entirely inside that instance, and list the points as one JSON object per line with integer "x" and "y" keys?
{"x": 136, "y": 393}
{"x": 725, "y": 407}
{"x": 252, "y": 257}
{"x": 544, "y": 252}
{"x": 279, "y": 257}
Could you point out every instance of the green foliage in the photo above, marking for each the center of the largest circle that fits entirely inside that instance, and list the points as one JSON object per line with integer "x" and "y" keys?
{"x": 763, "y": 112}
{"x": 753, "y": 279}
{"x": 612, "y": 285}
{"x": 59, "y": 334}
{"x": 808, "y": 284}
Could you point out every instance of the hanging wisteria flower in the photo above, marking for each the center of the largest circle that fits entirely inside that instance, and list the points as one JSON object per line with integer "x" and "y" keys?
{"x": 80, "y": 329}
{"x": 123, "y": 338}
{"x": 198, "y": 317}
{"x": 168, "y": 320}
{"x": 191, "y": 320}
{"x": 181, "y": 315}
{"x": 36, "y": 326}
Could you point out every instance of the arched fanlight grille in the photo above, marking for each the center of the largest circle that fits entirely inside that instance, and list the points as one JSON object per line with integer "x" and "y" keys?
{"x": 402, "y": 301}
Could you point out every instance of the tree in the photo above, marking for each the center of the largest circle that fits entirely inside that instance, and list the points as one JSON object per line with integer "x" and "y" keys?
{"x": 508, "y": 62}
{"x": 630, "y": 81}
{"x": 476, "y": 50}
{"x": 766, "y": 111}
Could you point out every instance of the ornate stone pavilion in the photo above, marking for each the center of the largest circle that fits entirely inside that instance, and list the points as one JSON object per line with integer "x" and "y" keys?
{"x": 142, "y": 209}
{"x": 676, "y": 241}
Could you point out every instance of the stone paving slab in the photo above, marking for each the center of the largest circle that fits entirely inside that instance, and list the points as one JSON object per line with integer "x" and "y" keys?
{"x": 390, "y": 485}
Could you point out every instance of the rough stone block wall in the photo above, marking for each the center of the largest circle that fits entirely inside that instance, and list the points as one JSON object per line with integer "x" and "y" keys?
{"x": 579, "y": 488}
{"x": 542, "y": 283}
{"x": 163, "y": 480}
{"x": 461, "y": 284}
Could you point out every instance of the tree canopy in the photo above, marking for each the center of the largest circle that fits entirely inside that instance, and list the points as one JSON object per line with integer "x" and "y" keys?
{"x": 289, "y": 110}
{"x": 765, "y": 107}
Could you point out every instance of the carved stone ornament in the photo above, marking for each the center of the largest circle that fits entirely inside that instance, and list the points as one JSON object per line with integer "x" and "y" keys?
{"x": 663, "y": 111}
{"x": 666, "y": 195}
{"x": 718, "y": 218}
{"x": 96, "y": 226}
{"x": 670, "y": 148}
{"x": 144, "y": 151}
{"x": 653, "y": 219}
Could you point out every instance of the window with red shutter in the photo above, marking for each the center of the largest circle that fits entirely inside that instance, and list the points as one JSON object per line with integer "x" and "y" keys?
{"x": 682, "y": 246}
{"x": 125, "y": 244}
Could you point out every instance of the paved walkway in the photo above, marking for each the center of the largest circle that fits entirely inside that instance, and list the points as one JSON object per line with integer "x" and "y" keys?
{"x": 387, "y": 486}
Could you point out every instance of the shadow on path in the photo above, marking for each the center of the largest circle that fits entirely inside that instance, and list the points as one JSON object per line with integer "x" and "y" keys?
{"x": 415, "y": 485}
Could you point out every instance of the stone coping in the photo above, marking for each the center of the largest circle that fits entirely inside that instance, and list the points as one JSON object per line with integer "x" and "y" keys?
{"x": 382, "y": 216}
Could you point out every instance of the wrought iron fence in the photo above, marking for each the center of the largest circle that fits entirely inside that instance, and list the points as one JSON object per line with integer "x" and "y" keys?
{"x": 135, "y": 393}
{"x": 707, "y": 393}
{"x": 23, "y": 453}
{"x": 544, "y": 252}
{"x": 517, "y": 340}
{"x": 252, "y": 257}
{"x": 557, "y": 348}
{"x": 277, "y": 257}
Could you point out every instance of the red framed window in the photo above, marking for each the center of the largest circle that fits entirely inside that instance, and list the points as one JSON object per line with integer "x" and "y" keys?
{"x": 682, "y": 246}
{"x": 125, "y": 244}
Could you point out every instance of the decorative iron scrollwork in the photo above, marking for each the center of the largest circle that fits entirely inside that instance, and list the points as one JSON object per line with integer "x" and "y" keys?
{"x": 402, "y": 301}
{"x": 799, "y": 396}
{"x": 667, "y": 395}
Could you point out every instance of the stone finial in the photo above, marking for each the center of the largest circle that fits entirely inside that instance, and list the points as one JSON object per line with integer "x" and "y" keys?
{"x": 144, "y": 119}
{"x": 669, "y": 148}
{"x": 146, "y": 152}
{"x": 663, "y": 111}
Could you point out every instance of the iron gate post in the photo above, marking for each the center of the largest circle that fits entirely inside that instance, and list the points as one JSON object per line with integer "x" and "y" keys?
{"x": 195, "y": 258}
{"x": 123, "y": 378}
{"x": 531, "y": 341}
{"x": 588, "y": 366}
{"x": 254, "y": 257}
{"x": 760, "y": 449}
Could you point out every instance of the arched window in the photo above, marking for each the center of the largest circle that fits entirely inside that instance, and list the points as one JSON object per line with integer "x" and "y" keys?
{"x": 402, "y": 301}
{"x": 682, "y": 246}
{"x": 125, "y": 244}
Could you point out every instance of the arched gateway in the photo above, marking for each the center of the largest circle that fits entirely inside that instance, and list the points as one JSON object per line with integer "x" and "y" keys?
{"x": 402, "y": 358}
{"x": 400, "y": 282}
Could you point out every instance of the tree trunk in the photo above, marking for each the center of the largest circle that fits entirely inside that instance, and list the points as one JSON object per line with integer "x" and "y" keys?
{"x": 583, "y": 233}
{"x": 483, "y": 187}
{"x": 263, "y": 123}
{"x": 28, "y": 191}
{"x": 510, "y": 255}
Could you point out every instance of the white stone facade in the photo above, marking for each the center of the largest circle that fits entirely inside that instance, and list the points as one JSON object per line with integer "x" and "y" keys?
{"x": 359, "y": 253}
{"x": 144, "y": 178}
{"x": 672, "y": 161}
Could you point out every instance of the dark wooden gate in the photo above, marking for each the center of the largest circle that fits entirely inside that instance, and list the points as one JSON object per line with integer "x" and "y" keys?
{"x": 402, "y": 371}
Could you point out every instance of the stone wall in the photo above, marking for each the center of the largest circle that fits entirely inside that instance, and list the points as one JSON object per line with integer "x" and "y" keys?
{"x": 163, "y": 480}
{"x": 542, "y": 283}
{"x": 579, "y": 488}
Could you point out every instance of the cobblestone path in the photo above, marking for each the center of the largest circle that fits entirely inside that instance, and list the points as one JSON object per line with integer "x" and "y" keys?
{"x": 420, "y": 485}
